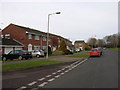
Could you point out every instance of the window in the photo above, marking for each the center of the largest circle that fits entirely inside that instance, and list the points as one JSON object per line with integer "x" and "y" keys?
{"x": 29, "y": 36}
{"x": 49, "y": 39}
{"x": 36, "y": 47}
{"x": 44, "y": 39}
{"x": 36, "y": 37}
{"x": 2, "y": 36}
{"x": 7, "y": 36}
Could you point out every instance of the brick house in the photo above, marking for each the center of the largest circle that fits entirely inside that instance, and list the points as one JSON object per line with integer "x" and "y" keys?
{"x": 32, "y": 39}
{"x": 80, "y": 45}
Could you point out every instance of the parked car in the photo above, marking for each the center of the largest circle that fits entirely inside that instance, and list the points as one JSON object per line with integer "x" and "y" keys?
{"x": 16, "y": 54}
{"x": 95, "y": 52}
{"x": 37, "y": 53}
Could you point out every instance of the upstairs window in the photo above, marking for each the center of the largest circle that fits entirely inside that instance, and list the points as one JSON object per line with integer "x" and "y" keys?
{"x": 29, "y": 36}
{"x": 44, "y": 39}
{"x": 36, "y": 37}
{"x": 7, "y": 36}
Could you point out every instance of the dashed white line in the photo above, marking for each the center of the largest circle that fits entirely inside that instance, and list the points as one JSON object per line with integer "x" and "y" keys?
{"x": 43, "y": 84}
{"x": 48, "y": 75}
{"x": 63, "y": 69}
{"x": 30, "y": 84}
{"x": 59, "y": 71}
{"x": 41, "y": 79}
{"x": 23, "y": 87}
{"x": 53, "y": 73}
{"x": 66, "y": 71}
{"x": 62, "y": 73}
{"x": 57, "y": 76}
{"x": 51, "y": 79}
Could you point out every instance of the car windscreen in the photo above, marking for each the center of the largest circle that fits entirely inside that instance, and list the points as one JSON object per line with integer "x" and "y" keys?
{"x": 94, "y": 50}
{"x": 24, "y": 51}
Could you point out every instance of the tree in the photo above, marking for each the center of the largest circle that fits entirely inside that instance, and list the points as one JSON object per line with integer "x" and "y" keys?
{"x": 63, "y": 45}
{"x": 100, "y": 43}
{"x": 92, "y": 42}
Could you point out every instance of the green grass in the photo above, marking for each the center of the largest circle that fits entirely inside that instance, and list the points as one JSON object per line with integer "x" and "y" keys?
{"x": 26, "y": 65}
{"x": 9, "y": 61}
{"x": 116, "y": 49}
{"x": 79, "y": 56}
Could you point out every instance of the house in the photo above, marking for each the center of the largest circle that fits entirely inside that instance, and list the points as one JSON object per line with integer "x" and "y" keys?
{"x": 32, "y": 39}
{"x": 9, "y": 45}
{"x": 80, "y": 45}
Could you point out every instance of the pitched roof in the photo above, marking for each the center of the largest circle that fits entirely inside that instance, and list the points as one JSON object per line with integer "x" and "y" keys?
{"x": 13, "y": 42}
{"x": 80, "y": 41}
{"x": 38, "y": 32}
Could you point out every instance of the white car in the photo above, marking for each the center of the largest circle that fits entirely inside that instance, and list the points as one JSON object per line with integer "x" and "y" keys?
{"x": 37, "y": 53}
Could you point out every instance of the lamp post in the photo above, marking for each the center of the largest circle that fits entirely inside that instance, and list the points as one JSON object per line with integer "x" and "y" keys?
{"x": 48, "y": 31}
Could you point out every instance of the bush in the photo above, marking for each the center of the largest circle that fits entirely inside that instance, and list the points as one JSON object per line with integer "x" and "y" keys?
{"x": 57, "y": 53}
{"x": 88, "y": 48}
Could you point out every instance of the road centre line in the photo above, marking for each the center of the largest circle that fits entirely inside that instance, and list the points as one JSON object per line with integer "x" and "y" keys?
{"x": 23, "y": 87}
{"x": 41, "y": 79}
{"x": 43, "y": 84}
{"x": 53, "y": 73}
{"x": 59, "y": 71}
{"x": 48, "y": 75}
{"x": 57, "y": 76}
{"x": 51, "y": 79}
{"x": 30, "y": 84}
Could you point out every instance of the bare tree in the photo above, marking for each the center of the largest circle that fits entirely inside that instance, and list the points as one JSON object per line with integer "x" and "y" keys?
{"x": 92, "y": 42}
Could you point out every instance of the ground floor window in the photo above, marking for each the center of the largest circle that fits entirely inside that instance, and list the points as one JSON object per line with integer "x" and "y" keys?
{"x": 36, "y": 47}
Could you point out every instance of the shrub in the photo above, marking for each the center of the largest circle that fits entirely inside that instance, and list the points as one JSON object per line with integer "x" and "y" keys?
{"x": 57, "y": 53}
{"x": 88, "y": 48}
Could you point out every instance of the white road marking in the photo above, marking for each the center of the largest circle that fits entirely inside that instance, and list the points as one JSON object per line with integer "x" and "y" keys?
{"x": 43, "y": 84}
{"x": 66, "y": 71}
{"x": 57, "y": 76}
{"x": 41, "y": 79}
{"x": 30, "y": 84}
{"x": 48, "y": 75}
{"x": 62, "y": 73}
{"x": 63, "y": 69}
{"x": 51, "y": 79}
{"x": 22, "y": 87}
{"x": 59, "y": 71}
{"x": 53, "y": 73}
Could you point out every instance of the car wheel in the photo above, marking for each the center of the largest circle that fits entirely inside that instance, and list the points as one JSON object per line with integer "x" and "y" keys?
{"x": 37, "y": 56}
{"x": 4, "y": 59}
{"x": 20, "y": 57}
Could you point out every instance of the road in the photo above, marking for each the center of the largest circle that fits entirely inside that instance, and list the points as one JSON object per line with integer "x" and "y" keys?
{"x": 96, "y": 72}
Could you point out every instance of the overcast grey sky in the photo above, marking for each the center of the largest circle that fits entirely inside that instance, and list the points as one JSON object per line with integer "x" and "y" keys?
{"x": 79, "y": 20}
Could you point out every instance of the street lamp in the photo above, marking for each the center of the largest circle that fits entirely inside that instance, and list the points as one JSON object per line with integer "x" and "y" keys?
{"x": 48, "y": 31}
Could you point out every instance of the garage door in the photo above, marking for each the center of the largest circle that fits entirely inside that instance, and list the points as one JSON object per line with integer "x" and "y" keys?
{"x": 18, "y": 48}
{"x": 7, "y": 50}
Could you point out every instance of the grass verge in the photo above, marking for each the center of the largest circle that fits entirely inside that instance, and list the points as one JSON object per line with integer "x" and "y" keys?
{"x": 79, "y": 56}
{"x": 116, "y": 49}
{"x": 26, "y": 65}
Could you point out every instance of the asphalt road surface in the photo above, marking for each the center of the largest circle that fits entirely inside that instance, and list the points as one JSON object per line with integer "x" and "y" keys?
{"x": 96, "y": 72}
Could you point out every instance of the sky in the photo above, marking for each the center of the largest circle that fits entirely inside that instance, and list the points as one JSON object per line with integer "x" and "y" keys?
{"x": 79, "y": 19}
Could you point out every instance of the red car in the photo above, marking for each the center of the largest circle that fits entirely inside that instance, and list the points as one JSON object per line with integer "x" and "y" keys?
{"x": 95, "y": 52}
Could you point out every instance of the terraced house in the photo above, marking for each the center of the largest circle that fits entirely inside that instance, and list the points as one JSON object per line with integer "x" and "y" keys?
{"x": 32, "y": 39}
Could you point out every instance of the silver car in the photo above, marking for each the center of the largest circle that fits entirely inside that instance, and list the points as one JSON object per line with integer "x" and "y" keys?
{"x": 38, "y": 53}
